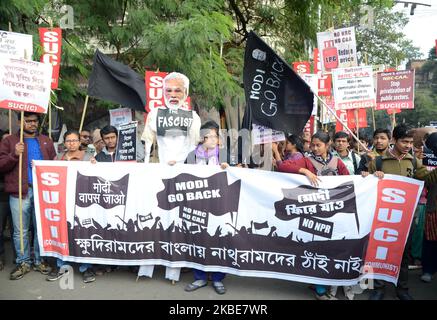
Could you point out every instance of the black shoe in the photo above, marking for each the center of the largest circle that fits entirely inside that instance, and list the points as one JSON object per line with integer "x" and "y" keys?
{"x": 89, "y": 276}
{"x": 404, "y": 295}
{"x": 376, "y": 295}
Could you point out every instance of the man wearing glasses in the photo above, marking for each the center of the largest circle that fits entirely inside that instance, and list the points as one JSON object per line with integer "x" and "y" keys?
{"x": 35, "y": 147}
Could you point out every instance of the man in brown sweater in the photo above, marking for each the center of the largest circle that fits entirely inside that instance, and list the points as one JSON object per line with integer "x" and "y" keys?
{"x": 35, "y": 147}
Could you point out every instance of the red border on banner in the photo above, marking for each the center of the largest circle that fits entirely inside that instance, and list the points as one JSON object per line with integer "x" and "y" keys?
{"x": 394, "y": 212}
{"x": 52, "y": 191}
{"x": 21, "y": 106}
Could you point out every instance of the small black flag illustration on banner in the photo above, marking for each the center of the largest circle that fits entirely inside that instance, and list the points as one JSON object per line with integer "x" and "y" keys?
{"x": 277, "y": 97}
{"x": 211, "y": 194}
{"x": 95, "y": 190}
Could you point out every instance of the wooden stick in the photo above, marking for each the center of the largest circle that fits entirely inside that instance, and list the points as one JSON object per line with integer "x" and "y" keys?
{"x": 373, "y": 119}
{"x": 20, "y": 186}
{"x": 83, "y": 113}
{"x": 10, "y": 111}
{"x": 50, "y": 120}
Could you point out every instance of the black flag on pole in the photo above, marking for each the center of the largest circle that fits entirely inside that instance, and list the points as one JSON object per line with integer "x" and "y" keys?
{"x": 113, "y": 81}
{"x": 277, "y": 97}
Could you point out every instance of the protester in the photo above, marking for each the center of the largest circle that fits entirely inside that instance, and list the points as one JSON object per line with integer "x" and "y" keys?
{"x": 319, "y": 163}
{"x": 109, "y": 136}
{"x": 429, "y": 245}
{"x": 293, "y": 149}
{"x": 5, "y": 212}
{"x": 177, "y": 134}
{"x": 349, "y": 157}
{"x": 207, "y": 153}
{"x": 97, "y": 141}
{"x": 73, "y": 153}
{"x": 381, "y": 140}
{"x": 306, "y": 138}
{"x": 35, "y": 147}
{"x": 398, "y": 160}
{"x": 85, "y": 139}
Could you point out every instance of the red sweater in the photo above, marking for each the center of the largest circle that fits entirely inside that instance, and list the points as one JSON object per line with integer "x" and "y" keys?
{"x": 291, "y": 166}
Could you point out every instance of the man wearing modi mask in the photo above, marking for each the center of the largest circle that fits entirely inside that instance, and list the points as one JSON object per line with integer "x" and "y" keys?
{"x": 177, "y": 132}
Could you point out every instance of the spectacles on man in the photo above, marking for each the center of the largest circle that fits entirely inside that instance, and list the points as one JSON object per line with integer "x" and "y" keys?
{"x": 85, "y": 136}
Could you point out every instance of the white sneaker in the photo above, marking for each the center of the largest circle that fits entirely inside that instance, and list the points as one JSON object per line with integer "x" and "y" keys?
{"x": 426, "y": 277}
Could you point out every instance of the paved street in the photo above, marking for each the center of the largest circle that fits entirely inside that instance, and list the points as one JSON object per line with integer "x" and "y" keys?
{"x": 121, "y": 284}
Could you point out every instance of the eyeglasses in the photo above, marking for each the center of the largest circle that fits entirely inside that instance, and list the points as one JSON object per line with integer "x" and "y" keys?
{"x": 31, "y": 121}
{"x": 71, "y": 141}
{"x": 85, "y": 136}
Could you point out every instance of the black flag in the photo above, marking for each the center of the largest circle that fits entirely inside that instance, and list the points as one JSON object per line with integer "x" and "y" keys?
{"x": 277, "y": 97}
{"x": 113, "y": 81}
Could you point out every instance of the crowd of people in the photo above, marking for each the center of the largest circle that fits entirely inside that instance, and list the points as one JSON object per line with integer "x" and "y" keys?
{"x": 320, "y": 155}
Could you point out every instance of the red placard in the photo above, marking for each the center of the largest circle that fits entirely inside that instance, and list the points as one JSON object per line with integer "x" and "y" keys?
{"x": 309, "y": 127}
{"x": 324, "y": 80}
{"x": 155, "y": 93}
{"x": 52, "y": 191}
{"x": 394, "y": 211}
{"x": 395, "y": 90}
{"x": 302, "y": 67}
{"x": 51, "y": 42}
{"x": 348, "y": 116}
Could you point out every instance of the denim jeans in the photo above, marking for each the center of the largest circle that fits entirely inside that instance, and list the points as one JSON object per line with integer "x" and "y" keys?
{"x": 82, "y": 268}
{"x": 201, "y": 275}
{"x": 28, "y": 216}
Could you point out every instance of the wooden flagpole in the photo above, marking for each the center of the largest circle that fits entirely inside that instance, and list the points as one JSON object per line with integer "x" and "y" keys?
{"x": 83, "y": 113}
{"x": 20, "y": 186}
{"x": 10, "y": 111}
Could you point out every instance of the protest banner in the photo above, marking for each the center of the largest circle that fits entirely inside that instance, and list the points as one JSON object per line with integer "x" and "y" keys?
{"x": 127, "y": 142}
{"x": 51, "y": 42}
{"x": 353, "y": 88}
{"x": 350, "y": 118}
{"x": 25, "y": 84}
{"x": 120, "y": 116}
{"x": 395, "y": 90}
{"x": 18, "y": 45}
{"x": 154, "y": 91}
{"x": 337, "y": 49}
{"x": 211, "y": 219}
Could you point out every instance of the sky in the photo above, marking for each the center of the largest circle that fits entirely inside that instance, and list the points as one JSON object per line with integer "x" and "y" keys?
{"x": 422, "y": 27}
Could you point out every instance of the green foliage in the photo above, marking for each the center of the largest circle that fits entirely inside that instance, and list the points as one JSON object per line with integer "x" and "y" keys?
{"x": 203, "y": 39}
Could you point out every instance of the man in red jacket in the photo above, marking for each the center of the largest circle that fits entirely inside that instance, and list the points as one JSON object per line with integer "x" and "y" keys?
{"x": 35, "y": 147}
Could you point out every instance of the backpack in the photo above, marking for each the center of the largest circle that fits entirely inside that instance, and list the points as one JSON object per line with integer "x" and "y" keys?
{"x": 330, "y": 169}
{"x": 378, "y": 164}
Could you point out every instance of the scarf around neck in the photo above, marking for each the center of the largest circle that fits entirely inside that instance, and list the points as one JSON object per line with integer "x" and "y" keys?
{"x": 209, "y": 156}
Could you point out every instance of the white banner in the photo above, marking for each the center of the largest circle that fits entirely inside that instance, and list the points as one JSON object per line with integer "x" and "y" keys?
{"x": 353, "y": 88}
{"x": 18, "y": 45}
{"x": 25, "y": 84}
{"x": 239, "y": 221}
